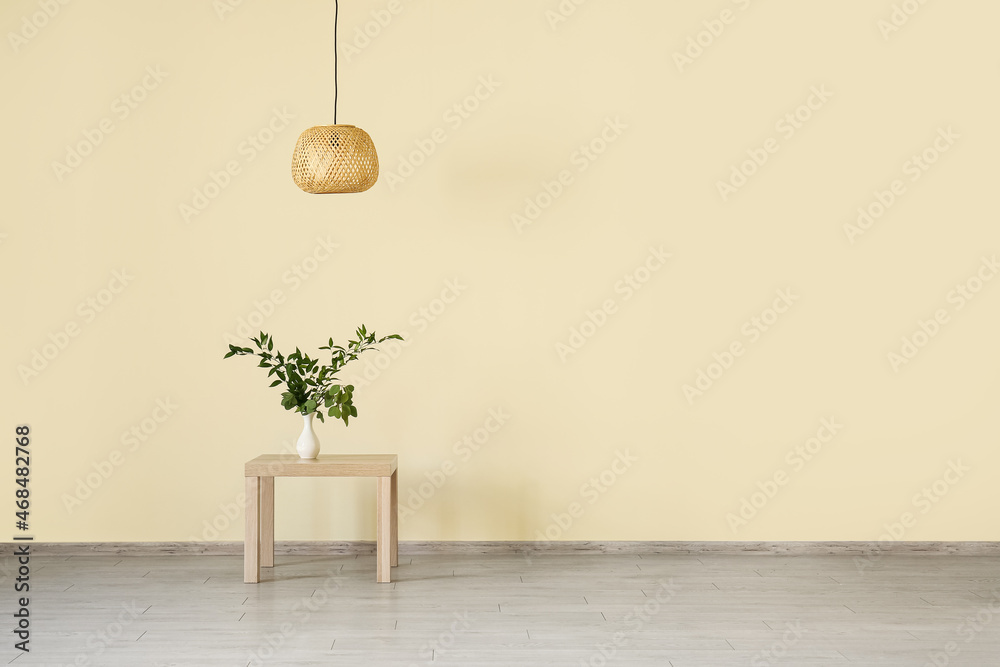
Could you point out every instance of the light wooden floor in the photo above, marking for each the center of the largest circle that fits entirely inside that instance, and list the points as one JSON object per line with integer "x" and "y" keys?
{"x": 447, "y": 609}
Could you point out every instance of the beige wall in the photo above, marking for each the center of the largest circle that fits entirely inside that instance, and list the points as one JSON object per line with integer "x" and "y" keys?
{"x": 832, "y": 302}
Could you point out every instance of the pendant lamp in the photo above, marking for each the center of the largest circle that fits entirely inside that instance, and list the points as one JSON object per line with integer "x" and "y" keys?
{"x": 333, "y": 159}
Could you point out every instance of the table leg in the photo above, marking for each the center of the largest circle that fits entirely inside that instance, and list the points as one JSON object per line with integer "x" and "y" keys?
{"x": 383, "y": 531}
{"x": 251, "y": 538}
{"x": 394, "y": 521}
{"x": 267, "y": 522}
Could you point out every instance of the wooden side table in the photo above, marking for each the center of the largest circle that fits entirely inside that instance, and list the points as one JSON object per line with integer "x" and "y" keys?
{"x": 258, "y": 544}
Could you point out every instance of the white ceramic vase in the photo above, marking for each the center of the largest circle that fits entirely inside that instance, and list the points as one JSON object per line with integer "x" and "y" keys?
{"x": 308, "y": 444}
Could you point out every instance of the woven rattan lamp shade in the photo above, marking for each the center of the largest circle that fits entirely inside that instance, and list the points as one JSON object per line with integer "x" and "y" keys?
{"x": 331, "y": 159}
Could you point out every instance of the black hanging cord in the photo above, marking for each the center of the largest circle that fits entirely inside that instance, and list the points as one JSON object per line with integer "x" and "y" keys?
{"x": 336, "y": 56}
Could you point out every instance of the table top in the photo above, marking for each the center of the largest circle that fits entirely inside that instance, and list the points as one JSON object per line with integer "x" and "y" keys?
{"x": 325, "y": 465}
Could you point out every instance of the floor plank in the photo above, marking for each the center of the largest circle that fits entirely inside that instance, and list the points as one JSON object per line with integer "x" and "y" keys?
{"x": 679, "y": 610}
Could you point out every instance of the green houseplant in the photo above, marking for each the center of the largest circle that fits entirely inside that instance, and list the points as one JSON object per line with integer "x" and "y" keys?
{"x": 312, "y": 387}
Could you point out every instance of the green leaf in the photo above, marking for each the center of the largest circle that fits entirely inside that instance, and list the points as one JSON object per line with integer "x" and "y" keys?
{"x": 310, "y": 405}
{"x": 335, "y": 412}
{"x": 276, "y": 383}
